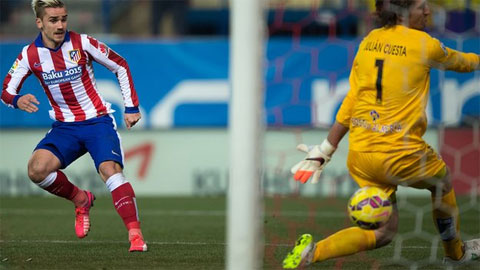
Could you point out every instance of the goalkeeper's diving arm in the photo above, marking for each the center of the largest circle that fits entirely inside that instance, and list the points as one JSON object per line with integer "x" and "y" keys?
{"x": 318, "y": 155}
{"x": 336, "y": 133}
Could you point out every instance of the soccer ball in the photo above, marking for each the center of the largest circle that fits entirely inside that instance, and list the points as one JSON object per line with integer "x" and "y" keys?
{"x": 369, "y": 208}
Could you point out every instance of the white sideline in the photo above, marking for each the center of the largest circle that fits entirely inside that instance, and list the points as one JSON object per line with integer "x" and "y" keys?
{"x": 163, "y": 243}
{"x": 324, "y": 214}
{"x": 166, "y": 212}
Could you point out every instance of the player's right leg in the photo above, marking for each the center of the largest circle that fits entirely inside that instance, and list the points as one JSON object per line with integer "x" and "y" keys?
{"x": 343, "y": 243}
{"x": 301, "y": 254}
{"x": 363, "y": 167}
{"x": 54, "y": 152}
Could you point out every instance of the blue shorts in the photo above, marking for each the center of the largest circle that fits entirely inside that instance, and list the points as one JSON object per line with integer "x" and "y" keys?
{"x": 97, "y": 136}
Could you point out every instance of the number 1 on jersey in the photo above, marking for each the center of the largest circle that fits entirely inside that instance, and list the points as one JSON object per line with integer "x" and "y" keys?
{"x": 379, "y": 65}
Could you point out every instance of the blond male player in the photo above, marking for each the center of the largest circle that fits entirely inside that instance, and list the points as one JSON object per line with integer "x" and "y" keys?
{"x": 62, "y": 62}
{"x": 385, "y": 114}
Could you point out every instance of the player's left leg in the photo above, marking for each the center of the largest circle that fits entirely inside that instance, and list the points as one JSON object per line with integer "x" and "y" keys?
{"x": 429, "y": 171}
{"x": 447, "y": 221}
{"x": 103, "y": 143}
{"x": 445, "y": 215}
{"x": 432, "y": 174}
{"x": 472, "y": 253}
{"x": 124, "y": 201}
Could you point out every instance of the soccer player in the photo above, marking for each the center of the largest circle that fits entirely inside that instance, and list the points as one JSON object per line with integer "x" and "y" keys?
{"x": 384, "y": 111}
{"x": 62, "y": 62}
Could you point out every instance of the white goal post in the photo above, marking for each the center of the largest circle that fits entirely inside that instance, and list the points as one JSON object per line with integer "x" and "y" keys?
{"x": 245, "y": 201}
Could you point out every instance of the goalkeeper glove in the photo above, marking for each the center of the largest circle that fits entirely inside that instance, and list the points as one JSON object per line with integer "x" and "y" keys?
{"x": 317, "y": 157}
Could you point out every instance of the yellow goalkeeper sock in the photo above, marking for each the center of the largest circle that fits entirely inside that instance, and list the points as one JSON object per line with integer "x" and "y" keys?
{"x": 445, "y": 215}
{"x": 345, "y": 242}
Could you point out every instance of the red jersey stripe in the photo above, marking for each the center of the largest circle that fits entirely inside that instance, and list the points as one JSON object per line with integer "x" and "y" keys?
{"x": 93, "y": 41}
{"x": 121, "y": 62}
{"x": 6, "y": 96}
{"x": 68, "y": 79}
{"x": 87, "y": 82}
{"x": 66, "y": 88}
{"x": 33, "y": 59}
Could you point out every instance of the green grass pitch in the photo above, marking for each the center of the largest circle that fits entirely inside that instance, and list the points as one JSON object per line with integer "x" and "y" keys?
{"x": 189, "y": 233}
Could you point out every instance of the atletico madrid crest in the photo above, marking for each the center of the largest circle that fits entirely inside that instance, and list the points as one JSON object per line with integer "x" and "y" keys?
{"x": 75, "y": 55}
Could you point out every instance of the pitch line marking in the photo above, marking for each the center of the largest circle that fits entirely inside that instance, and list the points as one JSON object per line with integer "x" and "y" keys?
{"x": 319, "y": 214}
{"x": 159, "y": 243}
{"x": 165, "y": 212}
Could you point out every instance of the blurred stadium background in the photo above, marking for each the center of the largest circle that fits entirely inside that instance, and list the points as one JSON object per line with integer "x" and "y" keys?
{"x": 178, "y": 51}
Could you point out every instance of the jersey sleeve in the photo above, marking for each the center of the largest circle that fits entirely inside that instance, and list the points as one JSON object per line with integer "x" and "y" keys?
{"x": 443, "y": 57}
{"x": 345, "y": 112}
{"x": 107, "y": 57}
{"x": 12, "y": 83}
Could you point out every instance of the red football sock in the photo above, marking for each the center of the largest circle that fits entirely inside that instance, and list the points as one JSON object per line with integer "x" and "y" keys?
{"x": 57, "y": 184}
{"x": 124, "y": 201}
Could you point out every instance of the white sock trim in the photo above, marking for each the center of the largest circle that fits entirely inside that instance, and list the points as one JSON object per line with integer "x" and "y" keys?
{"x": 48, "y": 180}
{"x": 115, "y": 181}
{"x": 136, "y": 209}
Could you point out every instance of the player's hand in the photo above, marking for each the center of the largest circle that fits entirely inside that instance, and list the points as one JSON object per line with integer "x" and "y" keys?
{"x": 27, "y": 103}
{"x": 131, "y": 119}
{"x": 312, "y": 166}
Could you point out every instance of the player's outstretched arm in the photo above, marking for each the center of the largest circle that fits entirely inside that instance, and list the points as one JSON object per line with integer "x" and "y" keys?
{"x": 28, "y": 103}
{"x": 131, "y": 119}
{"x": 318, "y": 155}
{"x": 449, "y": 59}
{"x": 336, "y": 133}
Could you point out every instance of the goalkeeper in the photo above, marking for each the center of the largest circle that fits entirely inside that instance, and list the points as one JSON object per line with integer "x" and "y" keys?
{"x": 384, "y": 111}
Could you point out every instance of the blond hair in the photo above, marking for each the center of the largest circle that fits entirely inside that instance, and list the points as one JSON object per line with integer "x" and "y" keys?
{"x": 39, "y": 6}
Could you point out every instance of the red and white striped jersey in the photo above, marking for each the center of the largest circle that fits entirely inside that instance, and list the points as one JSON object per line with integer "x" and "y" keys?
{"x": 66, "y": 75}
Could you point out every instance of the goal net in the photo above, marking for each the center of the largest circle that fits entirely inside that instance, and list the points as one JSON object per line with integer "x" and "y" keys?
{"x": 310, "y": 48}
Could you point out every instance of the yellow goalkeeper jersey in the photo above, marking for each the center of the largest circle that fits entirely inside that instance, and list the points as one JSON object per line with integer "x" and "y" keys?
{"x": 389, "y": 86}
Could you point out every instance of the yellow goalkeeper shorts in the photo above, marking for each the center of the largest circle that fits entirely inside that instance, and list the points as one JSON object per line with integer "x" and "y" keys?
{"x": 420, "y": 169}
